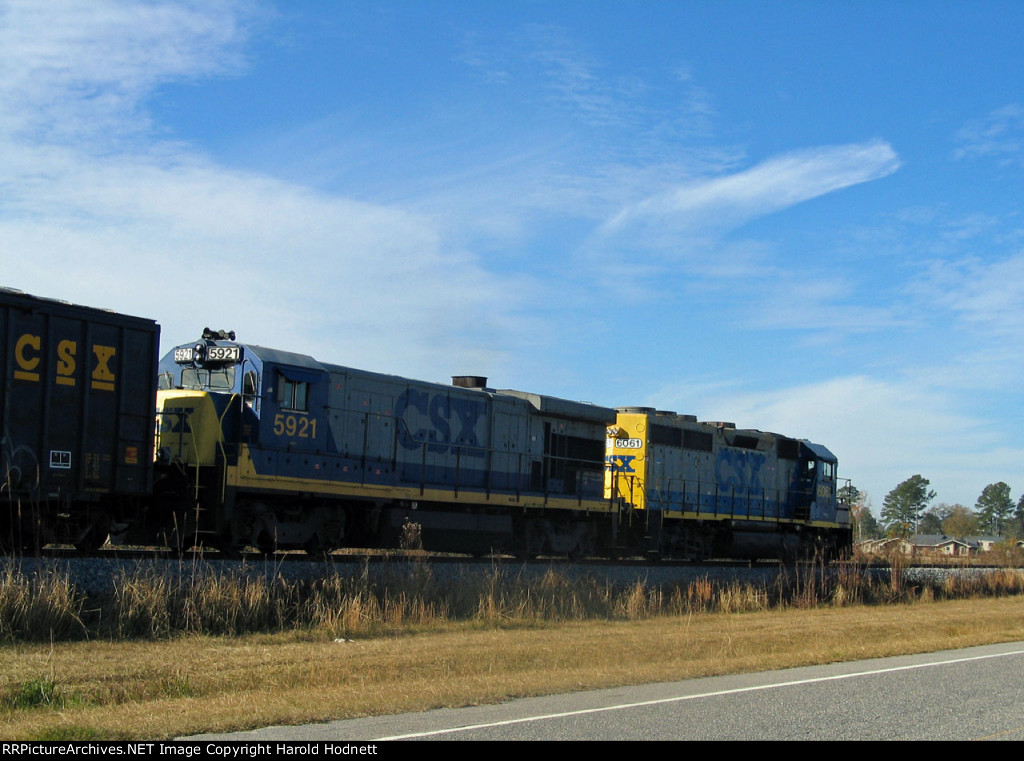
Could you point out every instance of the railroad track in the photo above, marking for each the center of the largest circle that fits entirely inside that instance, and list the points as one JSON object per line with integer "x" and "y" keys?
{"x": 387, "y": 556}
{"x": 100, "y": 571}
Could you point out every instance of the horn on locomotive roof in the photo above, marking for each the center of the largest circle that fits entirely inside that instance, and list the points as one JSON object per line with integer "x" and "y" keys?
{"x": 218, "y": 335}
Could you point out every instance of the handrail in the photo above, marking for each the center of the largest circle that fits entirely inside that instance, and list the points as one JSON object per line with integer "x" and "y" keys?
{"x": 688, "y": 495}
{"x": 522, "y": 474}
{"x": 186, "y": 421}
{"x": 220, "y": 443}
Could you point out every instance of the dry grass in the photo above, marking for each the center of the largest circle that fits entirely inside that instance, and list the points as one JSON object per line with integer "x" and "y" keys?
{"x": 213, "y": 652}
{"x": 152, "y": 602}
{"x": 50, "y": 604}
{"x": 192, "y": 684}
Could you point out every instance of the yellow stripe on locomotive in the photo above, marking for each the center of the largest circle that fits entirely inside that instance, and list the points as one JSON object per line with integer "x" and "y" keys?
{"x": 188, "y": 428}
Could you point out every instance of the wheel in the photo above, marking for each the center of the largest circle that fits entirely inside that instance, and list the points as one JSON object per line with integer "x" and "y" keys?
{"x": 226, "y": 546}
{"x": 93, "y": 537}
{"x": 315, "y": 548}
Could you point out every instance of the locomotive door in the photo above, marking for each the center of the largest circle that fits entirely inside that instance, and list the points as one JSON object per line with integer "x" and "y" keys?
{"x": 372, "y": 438}
{"x": 509, "y": 452}
{"x": 295, "y": 419}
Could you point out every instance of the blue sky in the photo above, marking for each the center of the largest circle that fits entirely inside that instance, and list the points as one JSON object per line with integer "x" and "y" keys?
{"x": 800, "y": 217}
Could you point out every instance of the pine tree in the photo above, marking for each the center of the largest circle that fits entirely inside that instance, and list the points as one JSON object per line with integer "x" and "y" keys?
{"x": 903, "y": 506}
{"x": 1018, "y": 518}
{"x": 994, "y": 507}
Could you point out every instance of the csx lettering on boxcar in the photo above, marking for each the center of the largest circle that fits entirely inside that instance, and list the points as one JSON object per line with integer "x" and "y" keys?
{"x": 28, "y": 352}
{"x": 76, "y": 420}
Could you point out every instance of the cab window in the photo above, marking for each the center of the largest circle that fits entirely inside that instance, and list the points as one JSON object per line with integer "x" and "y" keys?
{"x": 222, "y": 379}
{"x": 293, "y": 395}
{"x": 250, "y": 384}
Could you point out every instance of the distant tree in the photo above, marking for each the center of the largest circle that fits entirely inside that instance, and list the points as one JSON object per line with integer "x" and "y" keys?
{"x": 930, "y": 523}
{"x": 994, "y": 507}
{"x": 961, "y": 522}
{"x": 902, "y": 507}
{"x": 849, "y": 494}
{"x": 864, "y": 524}
{"x": 1018, "y": 519}
{"x": 933, "y": 518}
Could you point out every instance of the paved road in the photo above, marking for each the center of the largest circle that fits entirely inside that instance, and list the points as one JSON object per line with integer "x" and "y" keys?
{"x": 973, "y": 694}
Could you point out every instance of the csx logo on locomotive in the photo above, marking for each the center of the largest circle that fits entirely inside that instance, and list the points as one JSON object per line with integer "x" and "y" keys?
{"x": 27, "y": 356}
{"x": 622, "y": 463}
{"x": 440, "y": 413}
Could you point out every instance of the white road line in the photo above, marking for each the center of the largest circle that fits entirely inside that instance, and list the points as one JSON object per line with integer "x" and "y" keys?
{"x": 681, "y": 698}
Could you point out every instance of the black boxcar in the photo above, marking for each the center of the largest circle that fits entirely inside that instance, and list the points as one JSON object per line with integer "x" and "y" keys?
{"x": 77, "y": 404}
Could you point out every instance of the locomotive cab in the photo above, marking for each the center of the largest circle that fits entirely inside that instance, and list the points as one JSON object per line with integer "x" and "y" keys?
{"x": 814, "y": 492}
{"x": 294, "y": 399}
{"x": 217, "y": 396}
{"x": 201, "y": 388}
{"x": 207, "y": 404}
{"x": 233, "y": 419}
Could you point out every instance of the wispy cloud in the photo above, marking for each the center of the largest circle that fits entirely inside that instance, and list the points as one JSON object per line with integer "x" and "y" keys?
{"x": 824, "y": 303}
{"x": 76, "y": 70}
{"x": 575, "y": 80}
{"x": 101, "y": 210}
{"x": 986, "y": 296}
{"x": 721, "y": 203}
{"x": 998, "y": 135}
{"x": 548, "y": 65}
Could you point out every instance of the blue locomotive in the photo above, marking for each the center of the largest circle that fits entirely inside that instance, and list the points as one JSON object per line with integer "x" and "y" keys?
{"x": 710, "y": 490}
{"x": 271, "y": 449}
{"x": 267, "y": 448}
